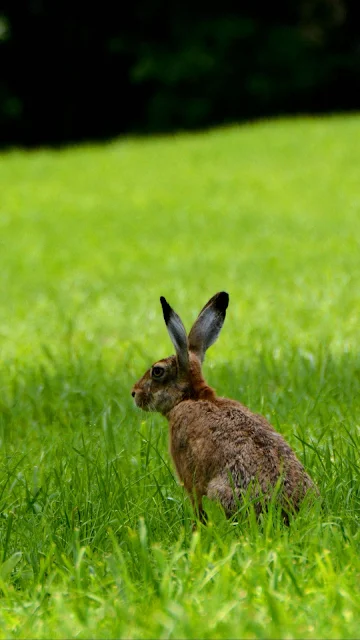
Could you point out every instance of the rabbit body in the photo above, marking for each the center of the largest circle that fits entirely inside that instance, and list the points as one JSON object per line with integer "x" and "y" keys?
{"x": 219, "y": 447}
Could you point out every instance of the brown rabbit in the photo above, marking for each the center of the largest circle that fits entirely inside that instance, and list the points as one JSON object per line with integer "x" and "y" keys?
{"x": 220, "y": 448}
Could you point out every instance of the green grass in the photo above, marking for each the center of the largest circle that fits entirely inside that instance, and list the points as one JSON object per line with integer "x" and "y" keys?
{"x": 96, "y": 533}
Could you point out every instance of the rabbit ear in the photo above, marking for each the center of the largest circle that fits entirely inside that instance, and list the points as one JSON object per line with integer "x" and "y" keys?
{"x": 177, "y": 334}
{"x": 208, "y": 324}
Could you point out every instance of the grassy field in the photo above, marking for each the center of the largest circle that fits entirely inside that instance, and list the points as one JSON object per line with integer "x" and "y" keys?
{"x": 96, "y": 532}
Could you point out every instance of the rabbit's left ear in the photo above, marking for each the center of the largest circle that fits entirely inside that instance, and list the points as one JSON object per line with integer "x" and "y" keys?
{"x": 208, "y": 324}
{"x": 177, "y": 334}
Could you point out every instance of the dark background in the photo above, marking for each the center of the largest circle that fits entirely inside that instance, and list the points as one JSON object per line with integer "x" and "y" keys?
{"x": 73, "y": 71}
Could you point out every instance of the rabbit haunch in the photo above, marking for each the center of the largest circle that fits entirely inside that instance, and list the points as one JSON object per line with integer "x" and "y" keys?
{"x": 219, "y": 447}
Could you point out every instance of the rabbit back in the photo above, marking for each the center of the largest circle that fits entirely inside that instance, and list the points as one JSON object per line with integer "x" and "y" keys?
{"x": 220, "y": 448}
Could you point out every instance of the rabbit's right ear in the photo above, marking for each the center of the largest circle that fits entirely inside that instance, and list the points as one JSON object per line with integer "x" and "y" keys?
{"x": 177, "y": 334}
{"x": 208, "y": 324}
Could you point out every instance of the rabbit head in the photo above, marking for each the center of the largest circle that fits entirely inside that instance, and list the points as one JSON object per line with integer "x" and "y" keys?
{"x": 178, "y": 377}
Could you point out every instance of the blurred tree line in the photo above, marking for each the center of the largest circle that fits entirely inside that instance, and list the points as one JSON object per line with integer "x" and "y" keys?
{"x": 75, "y": 70}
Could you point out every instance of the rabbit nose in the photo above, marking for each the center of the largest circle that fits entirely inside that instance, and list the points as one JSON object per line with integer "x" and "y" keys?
{"x": 133, "y": 394}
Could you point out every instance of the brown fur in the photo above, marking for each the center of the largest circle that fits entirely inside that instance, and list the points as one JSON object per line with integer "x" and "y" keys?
{"x": 220, "y": 448}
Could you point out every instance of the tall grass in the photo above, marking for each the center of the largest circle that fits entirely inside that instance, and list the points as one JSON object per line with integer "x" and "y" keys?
{"x": 96, "y": 532}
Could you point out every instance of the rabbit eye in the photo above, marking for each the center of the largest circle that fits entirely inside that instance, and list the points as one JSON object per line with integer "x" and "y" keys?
{"x": 157, "y": 372}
